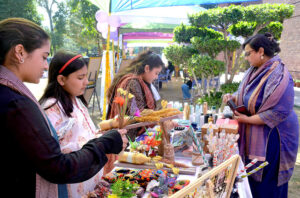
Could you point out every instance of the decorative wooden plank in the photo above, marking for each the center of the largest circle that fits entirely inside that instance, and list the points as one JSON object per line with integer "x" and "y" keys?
{"x": 185, "y": 171}
{"x": 141, "y": 124}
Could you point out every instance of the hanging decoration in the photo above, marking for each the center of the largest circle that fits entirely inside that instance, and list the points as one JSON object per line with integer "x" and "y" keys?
{"x": 104, "y": 20}
{"x": 106, "y": 24}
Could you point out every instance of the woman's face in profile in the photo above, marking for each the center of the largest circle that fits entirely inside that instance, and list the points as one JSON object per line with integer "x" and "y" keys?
{"x": 35, "y": 63}
{"x": 253, "y": 57}
{"x": 76, "y": 82}
{"x": 150, "y": 75}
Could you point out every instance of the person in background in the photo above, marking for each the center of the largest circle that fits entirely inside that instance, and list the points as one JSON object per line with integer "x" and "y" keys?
{"x": 171, "y": 69}
{"x": 271, "y": 133}
{"x": 30, "y": 144}
{"x": 186, "y": 89}
{"x": 137, "y": 78}
{"x": 66, "y": 109}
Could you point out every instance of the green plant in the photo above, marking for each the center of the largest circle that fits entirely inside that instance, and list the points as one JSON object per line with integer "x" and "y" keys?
{"x": 124, "y": 189}
{"x": 230, "y": 87}
{"x": 215, "y": 99}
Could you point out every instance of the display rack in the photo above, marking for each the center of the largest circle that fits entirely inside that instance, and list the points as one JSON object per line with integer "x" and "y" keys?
{"x": 217, "y": 182}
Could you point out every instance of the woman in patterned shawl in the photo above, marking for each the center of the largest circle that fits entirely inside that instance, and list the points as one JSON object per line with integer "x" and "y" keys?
{"x": 137, "y": 78}
{"x": 271, "y": 132}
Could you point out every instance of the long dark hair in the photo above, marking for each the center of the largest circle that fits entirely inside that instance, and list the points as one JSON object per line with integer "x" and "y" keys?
{"x": 137, "y": 66}
{"x": 54, "y": 89}
{"x": 266, "y": 41}
{"x": 14, "y": 31}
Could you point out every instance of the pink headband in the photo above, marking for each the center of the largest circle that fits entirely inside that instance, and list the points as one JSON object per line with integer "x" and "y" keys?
{"x": 70, "y": 61}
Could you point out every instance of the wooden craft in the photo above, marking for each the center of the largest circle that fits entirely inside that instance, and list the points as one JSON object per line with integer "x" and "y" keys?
{"x": 141, "y": 124}
{"x": 204, "y": 130}
{"x": 185, "y": 171}
{"x": 220, "y": 178}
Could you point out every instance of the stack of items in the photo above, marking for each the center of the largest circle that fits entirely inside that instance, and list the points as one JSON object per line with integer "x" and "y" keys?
{"x": 127, "y": 183}
{"x": 222, "y": 146}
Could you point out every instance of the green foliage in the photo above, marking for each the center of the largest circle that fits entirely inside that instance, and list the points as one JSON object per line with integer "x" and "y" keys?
{"x": 22, "y": 8}
{"x": 264, "y": 17}
{"x": 205, "y": 65}
{"x": 242, "y": 28}
{"x": 215, "y": 99}
{"x": 82, "y": 25}
{"x": 230, "y": 87}
{"x": 214, "y": 46}
{"x": 124, "y": 189}
{"x": 265, "y": 13}
{"x": 179, "y": 54}
{"x": 275, "y": 28}
{"x": 59, "y": 21}
{"x": 220, "y": 17}
{"x": 183, "y": 33}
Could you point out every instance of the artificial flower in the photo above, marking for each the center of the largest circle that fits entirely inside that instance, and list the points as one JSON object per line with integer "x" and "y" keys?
{"x": 130, "y": 95}
{"x": 119, "y": 100}
{"x": 137, "y": 113}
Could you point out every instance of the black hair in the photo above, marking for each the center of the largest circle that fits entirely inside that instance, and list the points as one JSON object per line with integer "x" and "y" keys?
{"x": 14, "y": 31}
{"x": 137, "y": 66}
{"x": 266, "y": 41}
{"x": 54, "y": 89}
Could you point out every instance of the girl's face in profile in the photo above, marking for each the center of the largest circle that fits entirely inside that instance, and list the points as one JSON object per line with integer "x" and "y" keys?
{"x": 35, "y": 63}
{"x": 76, "y": 82}
{"x": 150, "y": 75}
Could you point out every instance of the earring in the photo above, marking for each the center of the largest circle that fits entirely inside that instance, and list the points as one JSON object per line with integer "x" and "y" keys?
{"x": 262, "y": 57}
{"x": 22, "y": 60}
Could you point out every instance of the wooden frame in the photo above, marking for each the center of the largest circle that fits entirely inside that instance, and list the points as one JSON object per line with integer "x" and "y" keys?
{"x": 230, "y": 165}
{"x": 93, "y": 71}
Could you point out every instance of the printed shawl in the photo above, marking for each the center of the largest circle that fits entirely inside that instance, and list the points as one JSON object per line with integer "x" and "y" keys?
{"x": 124, "y": 82}
{"x": 268, "y": 83}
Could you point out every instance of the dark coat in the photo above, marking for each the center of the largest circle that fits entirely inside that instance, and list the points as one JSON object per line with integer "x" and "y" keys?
{"x": 28, "y": 148}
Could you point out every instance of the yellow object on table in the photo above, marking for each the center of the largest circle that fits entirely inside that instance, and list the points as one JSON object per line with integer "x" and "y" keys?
{"x": 134, "y": 158}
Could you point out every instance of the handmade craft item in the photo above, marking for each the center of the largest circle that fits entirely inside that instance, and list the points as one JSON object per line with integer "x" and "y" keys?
{"x": 124, "y": 189}
{"x": 135, "y": 158}
{"x": 247, "y": 166}
{"x": 256, "y": 169}
{"x": 155, "y": 116}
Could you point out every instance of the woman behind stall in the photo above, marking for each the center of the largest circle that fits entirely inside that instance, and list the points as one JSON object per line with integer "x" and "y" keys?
{"x": 271, "y": 132}
{"x": 29, "y": 145}
{"x": 137, "y": 78}
{"x": 66, "y": 109}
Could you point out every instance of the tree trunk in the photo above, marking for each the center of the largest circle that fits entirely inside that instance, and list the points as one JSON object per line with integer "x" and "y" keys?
{"x": 207, "y": 87}
{"x": 176, "y": 71}
{"x": 198, "y": 92}
{"x": 99, "y": 46}
{"x": 236, "y": 65}
{"x": 226, "y": 58}
{"x": 203, "y": 84}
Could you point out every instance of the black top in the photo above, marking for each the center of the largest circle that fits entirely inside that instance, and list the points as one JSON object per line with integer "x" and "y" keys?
{"x": 28, "y": 148}
{"x": 190, "y": 84}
